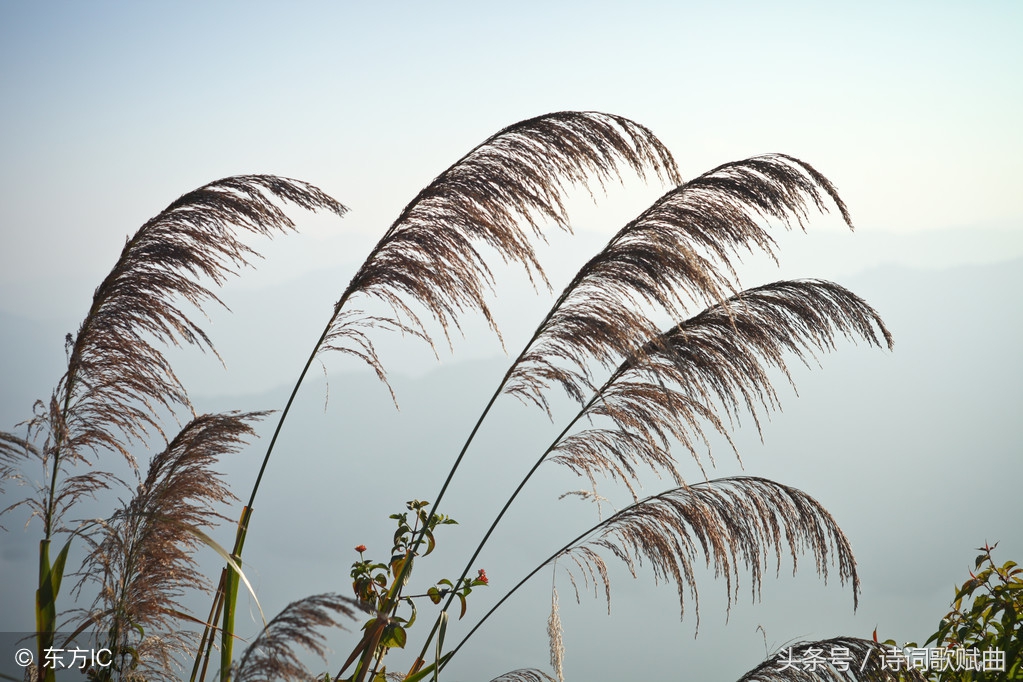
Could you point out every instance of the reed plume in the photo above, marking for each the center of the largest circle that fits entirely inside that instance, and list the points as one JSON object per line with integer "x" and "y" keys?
{"x": 13, "y": 450}
{"x": 858, "y": 660}
{"x": 430, "y": 267}
{"x": 272, "y": 656}
{"x": 518, "y": 178}
{"x": 708, "y": 370}
{"x": 45, "y": 502}
{"x": 731, "y": 522}
{"x": 143, "y": 556}
{"x": 701, "y": 371}
{"x": 118, "y": 379}
{"x": 117, "y": 376}
{"x": 433, "y": 254}
{"x": 675, "y": 254}
{"x": 118, "y": 384}
{"x": 555, "y": 637}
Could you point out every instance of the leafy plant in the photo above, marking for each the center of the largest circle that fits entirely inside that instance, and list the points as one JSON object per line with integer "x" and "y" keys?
{"x": 994, "y": 619}
{"x": 644, "y": 390}
{"x": 981, "y": 637}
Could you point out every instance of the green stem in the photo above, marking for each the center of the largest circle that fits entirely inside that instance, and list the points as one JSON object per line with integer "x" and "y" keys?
{"x": 46, "y": 627}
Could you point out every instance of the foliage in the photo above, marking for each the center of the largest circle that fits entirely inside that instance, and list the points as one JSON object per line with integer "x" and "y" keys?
{"x": 644, "y": 392}
{"x": 994, "y": 619}
{"x": 378, "y": 587}
{"x": 981, "y": 638}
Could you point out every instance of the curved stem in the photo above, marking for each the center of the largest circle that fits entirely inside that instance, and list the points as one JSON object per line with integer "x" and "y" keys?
{"x": 522, "y": 484}
{"x": 225, "y": 591}
{"x": 548, "y": 560}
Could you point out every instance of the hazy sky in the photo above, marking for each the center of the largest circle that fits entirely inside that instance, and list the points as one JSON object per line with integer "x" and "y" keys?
{"x": 112, "y": 110}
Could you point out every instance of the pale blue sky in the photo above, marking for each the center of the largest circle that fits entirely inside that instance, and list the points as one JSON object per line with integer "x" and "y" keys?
{"x": 112, "y": 110}
{"x": 911, "y": 108}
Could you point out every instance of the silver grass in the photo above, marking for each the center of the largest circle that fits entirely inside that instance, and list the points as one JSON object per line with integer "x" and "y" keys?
{"x": 142, "y": 558}
{"x": 272, "y": 655}
{"x": 731, "y": 523}
{"x": 554, "y": 635}
{"x": 676, "y": 254}
{"x": 118, "y": 380}
{"x": 116, "y": 375}
{"x": 707, "y": 371}
{"x": 500, "y": 195}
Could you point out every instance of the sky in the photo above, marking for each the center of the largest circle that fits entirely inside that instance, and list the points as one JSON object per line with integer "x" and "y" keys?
{"x": 112, "y": 110}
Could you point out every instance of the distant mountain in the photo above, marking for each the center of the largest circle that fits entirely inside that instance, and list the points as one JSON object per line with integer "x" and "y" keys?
{"x": 916, "y": 453}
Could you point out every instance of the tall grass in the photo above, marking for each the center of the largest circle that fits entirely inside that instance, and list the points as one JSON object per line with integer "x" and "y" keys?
{"x": 644, "y": 393}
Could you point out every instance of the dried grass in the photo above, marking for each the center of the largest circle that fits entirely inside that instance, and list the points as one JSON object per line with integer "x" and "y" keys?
{"x": 500, "y": 196}
{"x": 117, "y": 376}
{"x": 676, "y": 254}
{"x": 272, "y": 655}
{"x": 707, "y": 371}
{"x": 142, "y": 557}
{"x": 118, "y": 380}
{"x": 731, "y": 523}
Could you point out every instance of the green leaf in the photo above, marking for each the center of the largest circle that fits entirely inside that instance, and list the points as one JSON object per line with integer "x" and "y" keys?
{"x": 434, "y": 594}
{"x": 394, "y": 636}
{"x": 461, "y": 598}
{"x": 57, "y": 571}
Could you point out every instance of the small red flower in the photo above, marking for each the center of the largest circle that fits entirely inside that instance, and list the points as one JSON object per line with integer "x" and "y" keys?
{"x": 482, "y": 577}
{"x": 360, "y": 549}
